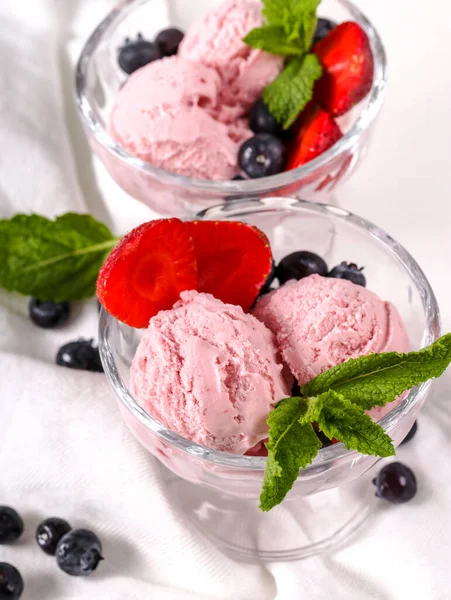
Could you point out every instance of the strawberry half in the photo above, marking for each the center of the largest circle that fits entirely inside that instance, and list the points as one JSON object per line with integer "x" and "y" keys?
{"x": 346, "y": 56}
{"x": 317, "y": 132}
{"x": 234, "y": 260}
{"x": 147, "y": 270}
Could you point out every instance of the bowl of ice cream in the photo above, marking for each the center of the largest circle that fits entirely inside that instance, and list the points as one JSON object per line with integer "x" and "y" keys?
{"x": 176, "y": 380}
{"x": 172, "y": 133}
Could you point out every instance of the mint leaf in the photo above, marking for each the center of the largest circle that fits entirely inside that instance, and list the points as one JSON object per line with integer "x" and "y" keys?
{"x": 291, "y": 447}
{"x": 339, "y": 418}
{"x": 377, "y": 379}
{"x": 280, "y": 12}
{"x": 296, "y": 17}
{"x": 273, "y": 39}
{"x": 53, "y": 260}
{"x": 287, "y": 95}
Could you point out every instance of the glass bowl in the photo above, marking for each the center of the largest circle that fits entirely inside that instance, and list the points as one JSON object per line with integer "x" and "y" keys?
{"x": 98, "y": 79}
{"x": 219, "y": 492}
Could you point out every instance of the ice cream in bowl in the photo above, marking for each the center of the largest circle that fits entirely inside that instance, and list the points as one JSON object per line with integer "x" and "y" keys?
{"x": 233, "y": 102}
{"x": 242, "y": 348}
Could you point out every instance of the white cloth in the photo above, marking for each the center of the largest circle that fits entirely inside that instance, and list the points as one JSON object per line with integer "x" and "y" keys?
{"x": 64, "y": 450}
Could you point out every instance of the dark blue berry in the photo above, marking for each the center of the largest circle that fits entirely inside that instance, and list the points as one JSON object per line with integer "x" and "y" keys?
{"x": 411, "y": 434}
{"x": 349, "y": 271}
{"x": 262, "y": 155}
{"x": 11, "y": 525}
{"x": 11, "y": 582}
{"x": 299, "y": 265}
{"x": 323, "y": 28}
{"x": 80, "y": 355}
{"x": 134, "y": 55}
{"x": 396, "y": 483}
{"x": 48, "y": 314}
{"x": 262, "y": 121}
{"x": 49, "y": 533}
{"x": 169, "y": 41}
{"x": 79, "y": 552}
{"x": 325, "y": 441}
{"x": 295, "y": 389}
{"x": 267, "y": 287}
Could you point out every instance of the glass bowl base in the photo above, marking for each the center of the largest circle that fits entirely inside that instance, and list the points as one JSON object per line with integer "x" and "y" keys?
{"x": 299, "y": 528}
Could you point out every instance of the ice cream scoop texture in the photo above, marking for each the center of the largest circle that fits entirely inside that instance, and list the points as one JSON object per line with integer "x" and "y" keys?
{"x": 209, "y": 372}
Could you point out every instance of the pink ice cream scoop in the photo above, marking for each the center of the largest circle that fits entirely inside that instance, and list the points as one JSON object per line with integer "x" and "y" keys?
{"x": 216, "y": 40}
{"x": 209, "y": 372}
{"x": 163, "y": 115}
{"x": 320, "y": 322}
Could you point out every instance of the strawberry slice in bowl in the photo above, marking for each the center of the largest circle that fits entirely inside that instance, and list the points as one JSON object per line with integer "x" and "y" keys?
{"x": 234, "y": 260}
{"x": 317, "y": 131}
{"x": 348, "y": 63}
{"x": 147, "y": 271}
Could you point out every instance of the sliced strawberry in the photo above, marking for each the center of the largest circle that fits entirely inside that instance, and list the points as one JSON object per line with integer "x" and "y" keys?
{"x": 147, "y": 270}
{"x": 233, "y": 260}
{"x": 317, "y": 132}
{"x": 346, "y": 56}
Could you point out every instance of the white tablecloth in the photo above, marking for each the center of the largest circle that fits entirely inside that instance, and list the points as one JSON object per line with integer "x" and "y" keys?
{"x": 64, "y": 450}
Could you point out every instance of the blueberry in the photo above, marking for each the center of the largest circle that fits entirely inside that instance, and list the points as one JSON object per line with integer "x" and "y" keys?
{"x": 79, "y": 552}
{"x": 168, "y": 41}
{"x": 48, "y": 314}
{"x": 299, "y": 265}
{"x": 325, "y": 441}
{"x": 396, "y": 483}
{"x": 349, "y": 271}
{"x": 49, "y": 533}
{"x": 295, "y": 389}
{"x": 323, "y": 28}
{"x": 411, "y": 434}
{"x": 272, "y": 275}
{"x": 262, "y": 155}
{"x": 262, "y": 121}
{"x": 80, "y": 355}
{"x": 11, "y": 525}
{"x": 134, "y": 55}
{"x": 11, "y": 582}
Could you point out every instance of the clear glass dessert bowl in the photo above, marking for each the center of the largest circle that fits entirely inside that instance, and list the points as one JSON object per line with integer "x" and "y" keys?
{"x": 219, "y": 492}
{"x": 98, "y": 79}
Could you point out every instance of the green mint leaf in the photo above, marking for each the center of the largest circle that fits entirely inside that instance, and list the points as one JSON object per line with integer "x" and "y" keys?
{"x": 280, "y": 12}
{"x": 276, "y": 12}
{"x": 296, "y": 17}
{"x": 53, "y": 260}
{"x": 377, "y": 379}
{"x": 273, "y": 39}
{"x": 287, "y": 95}
{"x": 339, "y": 418}
{"x": 291, "y": 447}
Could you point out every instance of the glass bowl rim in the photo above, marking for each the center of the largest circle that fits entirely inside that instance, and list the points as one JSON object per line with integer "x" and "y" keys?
{"x": 326, "y": 455}
{"x": 251, "y": 186}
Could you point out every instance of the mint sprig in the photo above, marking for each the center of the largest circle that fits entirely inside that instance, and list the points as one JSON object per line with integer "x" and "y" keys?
{"x": 292, "y": 446}
{"x": 289, "y": 30}
{"x": 55, "y": 260}
{"x": 297, "y": 17}
{"x": 289, "y": 93}
{"x": 377, "y": 379}
{"x": 336, "y": 401}
{"x": 274, "y": 40}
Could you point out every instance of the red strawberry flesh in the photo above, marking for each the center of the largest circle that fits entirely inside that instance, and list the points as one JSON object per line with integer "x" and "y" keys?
{"x": 348, "y": 63}
{"x": 147, "y": 271}
{"x": 234, "y": 260}
{"x": 317, "y": 132}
